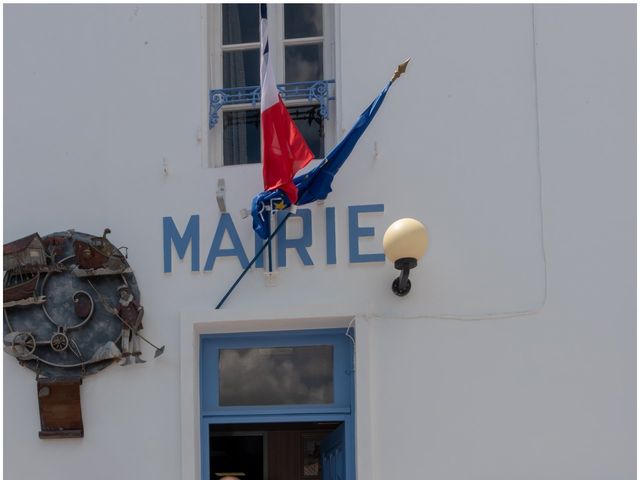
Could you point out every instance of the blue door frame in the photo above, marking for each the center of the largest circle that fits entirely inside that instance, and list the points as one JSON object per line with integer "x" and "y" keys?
{"x": 341, "y": 410}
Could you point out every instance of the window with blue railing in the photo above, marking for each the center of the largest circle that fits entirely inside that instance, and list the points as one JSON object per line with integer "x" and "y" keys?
{"x": 301, "y": 45}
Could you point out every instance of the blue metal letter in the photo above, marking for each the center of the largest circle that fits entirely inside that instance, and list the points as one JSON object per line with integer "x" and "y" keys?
{"x": 355, "y": 232}
{"x": 226, "y": 225}
{"x": 300, "y": 244}
{"x": 191, "y": 236}
{"x": 331, "y": 235}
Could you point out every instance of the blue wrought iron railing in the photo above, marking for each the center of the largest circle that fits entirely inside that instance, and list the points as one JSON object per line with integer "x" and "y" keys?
{"x": 314, "y": 92}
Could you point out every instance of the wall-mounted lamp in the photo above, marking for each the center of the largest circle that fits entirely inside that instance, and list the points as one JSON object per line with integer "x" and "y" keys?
{"x": 404, "y": 243}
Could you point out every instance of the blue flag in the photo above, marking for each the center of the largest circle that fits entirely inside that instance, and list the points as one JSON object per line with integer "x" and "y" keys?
{"x": 316, "y": 184}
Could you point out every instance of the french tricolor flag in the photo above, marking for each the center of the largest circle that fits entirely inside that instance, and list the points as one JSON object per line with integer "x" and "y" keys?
{"x": 284, "y": 150}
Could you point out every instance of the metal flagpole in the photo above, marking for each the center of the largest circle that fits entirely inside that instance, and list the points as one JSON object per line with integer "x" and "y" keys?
{"x": 268, "y": 242}
{"x": 271, "y": 216}
{"x": 398, "y": 72}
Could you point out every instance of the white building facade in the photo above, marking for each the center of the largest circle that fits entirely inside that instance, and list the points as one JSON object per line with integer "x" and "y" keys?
{"x": 511, "y": 137}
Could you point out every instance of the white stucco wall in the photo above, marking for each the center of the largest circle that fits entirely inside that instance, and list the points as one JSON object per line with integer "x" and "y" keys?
{"x": 97, "y": 97}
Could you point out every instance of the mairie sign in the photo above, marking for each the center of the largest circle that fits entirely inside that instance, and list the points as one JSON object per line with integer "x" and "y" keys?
{"x": 190, "y": 237}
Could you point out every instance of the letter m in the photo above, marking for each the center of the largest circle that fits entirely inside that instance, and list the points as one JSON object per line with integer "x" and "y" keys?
{"x": 191, "y": 236}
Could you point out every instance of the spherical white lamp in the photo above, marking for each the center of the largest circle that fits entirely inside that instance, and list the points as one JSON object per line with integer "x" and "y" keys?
{"x": 404, "y": 243}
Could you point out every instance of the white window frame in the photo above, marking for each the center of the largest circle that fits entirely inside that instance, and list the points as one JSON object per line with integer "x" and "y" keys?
{"x": 275, "y": 13}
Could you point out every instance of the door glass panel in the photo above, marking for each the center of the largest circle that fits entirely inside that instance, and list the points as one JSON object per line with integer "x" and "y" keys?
{"x": 240, "y": 23}
{"x": 302, "y": 20}
{"x": 310, "y": 457}
{"x": 276, "y": 375}
{"x": 303, "y": 63}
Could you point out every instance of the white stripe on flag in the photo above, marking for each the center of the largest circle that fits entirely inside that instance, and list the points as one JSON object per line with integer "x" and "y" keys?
{"x": 270, "y": 94}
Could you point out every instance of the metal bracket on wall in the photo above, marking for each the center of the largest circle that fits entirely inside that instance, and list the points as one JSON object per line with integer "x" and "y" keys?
{"x": 220, "y": 196}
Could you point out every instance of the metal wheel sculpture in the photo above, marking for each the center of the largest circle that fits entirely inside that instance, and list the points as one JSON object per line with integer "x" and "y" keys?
{"x": 23, "y": 345}
{"x": 59, "y": 342}
{"x": 63, "y": 313}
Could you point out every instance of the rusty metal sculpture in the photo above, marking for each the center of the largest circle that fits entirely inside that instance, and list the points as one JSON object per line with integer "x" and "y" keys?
{"x": 51, "y": 323}
{"x": 97, "y": 256}
{"x": 129, "y": 312}
{"x": 24, "y": 261}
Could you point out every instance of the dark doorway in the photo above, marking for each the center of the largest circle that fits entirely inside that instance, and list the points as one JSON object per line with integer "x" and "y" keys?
{"x": 269, "y": 451}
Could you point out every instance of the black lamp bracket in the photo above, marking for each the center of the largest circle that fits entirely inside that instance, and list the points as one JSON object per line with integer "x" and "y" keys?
{"x": 402, "y": 285}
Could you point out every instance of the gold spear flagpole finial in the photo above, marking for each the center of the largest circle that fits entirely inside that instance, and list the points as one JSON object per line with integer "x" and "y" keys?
{"x": 400, "y": 70}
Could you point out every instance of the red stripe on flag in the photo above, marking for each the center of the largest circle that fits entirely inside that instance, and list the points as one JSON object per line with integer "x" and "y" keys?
{"x": 285, "y": 150}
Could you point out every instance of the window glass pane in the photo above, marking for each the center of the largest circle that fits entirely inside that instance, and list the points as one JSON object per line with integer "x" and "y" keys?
{"x": 303, "y": 63}
{"x": 240, "y": 23}
{"x": 241, "y": 68}
{"x": 276, "y": 376}
{"x": 241, "y": 132}
{"x": 302, "y": 20}
{"x": 311, "y": 126}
